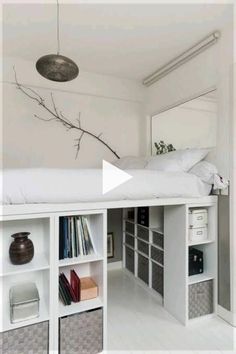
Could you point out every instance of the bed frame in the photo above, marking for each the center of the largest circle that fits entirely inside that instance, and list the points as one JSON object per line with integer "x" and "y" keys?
{"x": 42, "y": 220}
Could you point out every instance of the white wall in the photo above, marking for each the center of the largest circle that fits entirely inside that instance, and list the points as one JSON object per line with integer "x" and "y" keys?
{"x": 212, "y": 68}
{"x": 108, "y": 105}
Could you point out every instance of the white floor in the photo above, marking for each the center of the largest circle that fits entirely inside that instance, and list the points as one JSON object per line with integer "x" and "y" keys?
{"x": 137, "y": 321}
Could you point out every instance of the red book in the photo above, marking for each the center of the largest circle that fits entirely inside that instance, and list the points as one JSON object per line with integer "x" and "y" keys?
{"x": 68, "y": 287}
{"x": 75, "y": 284}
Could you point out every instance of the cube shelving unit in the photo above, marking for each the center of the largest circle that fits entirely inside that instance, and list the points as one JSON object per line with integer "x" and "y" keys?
{"x": 157, "y": 255}
{"x": 143, "y": 256}
{"x": 167, "y": 264}
{"x": 178, "y": 285}
{"x": 45, "y": 267}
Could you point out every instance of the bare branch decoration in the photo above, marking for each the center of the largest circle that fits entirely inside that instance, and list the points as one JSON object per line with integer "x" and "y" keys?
{"x": 59, "y": 117}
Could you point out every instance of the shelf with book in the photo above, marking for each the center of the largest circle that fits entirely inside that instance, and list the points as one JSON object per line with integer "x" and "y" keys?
{"x": 80, "y": 260}
{"x": 80, "y": 236}
{"x": 93, "y": 270}
{"x": 82, "y": 264}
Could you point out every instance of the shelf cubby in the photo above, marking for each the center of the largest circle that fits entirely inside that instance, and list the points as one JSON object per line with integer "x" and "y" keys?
{"x": 209, "y": 257}
{"x": 211, "y": 226}
{"x": 96, "y": 232}
{"x": 39, "y": 229}
{"x": 90, "y": 269}
{"x": 41, "y": 279}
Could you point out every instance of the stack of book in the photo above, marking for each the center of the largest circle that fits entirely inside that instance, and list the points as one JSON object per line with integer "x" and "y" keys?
{"x": 77, "y": 289}
{"x": 69, "y": 291}
{"x": 74, "y": 237}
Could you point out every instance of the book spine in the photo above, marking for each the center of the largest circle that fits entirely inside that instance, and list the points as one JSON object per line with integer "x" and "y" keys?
{"x": 65, "y": 291}
{"x": 79, "y": 237}
{"x": 86, "y": 235}
{"x": 69, "y": 238}
{"x": 82, "y": 236}
{"x": 61, "y": 239}
{"x": 90, "y": 236}
{"x": 72, "y": 237}
{"x": 65, "y": 234}
{"x": 62, "y": 295}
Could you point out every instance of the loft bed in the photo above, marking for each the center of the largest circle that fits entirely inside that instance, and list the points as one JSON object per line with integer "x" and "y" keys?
{"x": 47, "y": 190}
{"x": 193, "y": 128}
{"x": 38, "y": 206}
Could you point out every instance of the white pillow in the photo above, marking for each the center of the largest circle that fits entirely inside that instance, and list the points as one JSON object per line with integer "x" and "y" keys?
{"x": 204, "y": 170}
{"x": 177, "y": 161}
{"x": 131, "y": 162}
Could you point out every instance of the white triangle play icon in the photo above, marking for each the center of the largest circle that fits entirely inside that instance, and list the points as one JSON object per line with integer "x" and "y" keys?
{"x": 112, "y": 177}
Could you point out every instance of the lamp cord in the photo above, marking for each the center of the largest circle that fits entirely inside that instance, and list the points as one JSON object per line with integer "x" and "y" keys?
{"x": 58, "y": 32}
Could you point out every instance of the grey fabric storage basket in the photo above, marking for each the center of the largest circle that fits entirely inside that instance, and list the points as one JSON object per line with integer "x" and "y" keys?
{"x": 26, "y": 340}
{"x": 129, "y": 227}
{"x": 158, "y": 278}
{"x": 143, "y": 247}
{"x": 200, "y": 299}
{"x": 157, "y": 255}
{"x": 143, "y": 268}
{"x": 129, "y": 259}
{"x": 143, "y": 233}
{"x": 82, "y": 333}
{"x": 158, "y": 239}
{"x": 129, "y": 240}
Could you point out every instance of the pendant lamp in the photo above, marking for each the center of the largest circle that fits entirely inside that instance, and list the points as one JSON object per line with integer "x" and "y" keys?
{"x": 56, "y": 67}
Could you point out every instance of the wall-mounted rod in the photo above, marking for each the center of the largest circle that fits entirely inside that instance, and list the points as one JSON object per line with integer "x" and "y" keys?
{"x": 182, "y": 58}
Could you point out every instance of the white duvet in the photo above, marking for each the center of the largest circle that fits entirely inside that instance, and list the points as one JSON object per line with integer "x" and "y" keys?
{"x": 21, "y": 186}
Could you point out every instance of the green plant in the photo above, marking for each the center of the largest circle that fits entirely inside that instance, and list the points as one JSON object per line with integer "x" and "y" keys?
{"x": 163, "y": 148}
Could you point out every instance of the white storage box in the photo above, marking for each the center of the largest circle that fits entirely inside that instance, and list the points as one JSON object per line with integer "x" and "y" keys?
{"x": 24, "y": 302}
{"x": 198, "y": 234}
{"x": 197, "y": 218}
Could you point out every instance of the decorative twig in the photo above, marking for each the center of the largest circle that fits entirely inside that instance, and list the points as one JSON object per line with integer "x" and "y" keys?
{"x": 58, "y": 116}
{"x": 78, "y": 144}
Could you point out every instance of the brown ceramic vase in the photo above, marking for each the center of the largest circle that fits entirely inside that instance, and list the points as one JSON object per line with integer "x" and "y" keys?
{"x": 21, "y": 250}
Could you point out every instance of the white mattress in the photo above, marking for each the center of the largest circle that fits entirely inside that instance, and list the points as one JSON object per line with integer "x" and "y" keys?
{"x": 27, "y": 186}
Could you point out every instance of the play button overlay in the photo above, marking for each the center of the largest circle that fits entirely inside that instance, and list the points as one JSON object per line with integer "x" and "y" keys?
{"x": 112, "y": 177}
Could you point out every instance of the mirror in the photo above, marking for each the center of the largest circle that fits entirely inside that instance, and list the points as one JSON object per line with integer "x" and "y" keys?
{"x": 192, "y": 124}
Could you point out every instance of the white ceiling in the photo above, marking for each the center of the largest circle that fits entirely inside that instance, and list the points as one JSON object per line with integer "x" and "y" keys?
{"x": 122, "y": 40}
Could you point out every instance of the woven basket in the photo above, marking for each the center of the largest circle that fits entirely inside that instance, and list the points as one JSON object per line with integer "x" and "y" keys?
{"x": 200, "y": 299}
{"x": 143, "y": 233}
{"x": 82, "y": 333}
{"x": 143, "y": 247}
{"x": 129, "y": 259}
{"x": 143, "y": 268}
{"x": 25, "y": 340}
{"x": 158, "y": 278}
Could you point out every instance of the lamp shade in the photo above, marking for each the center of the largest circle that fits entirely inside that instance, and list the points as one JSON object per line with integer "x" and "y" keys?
{"x": 57, "y": 67}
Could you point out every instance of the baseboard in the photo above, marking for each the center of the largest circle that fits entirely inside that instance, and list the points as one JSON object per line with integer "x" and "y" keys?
{"x": 114, "y": 265}
{"x": 226, "y": 315}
